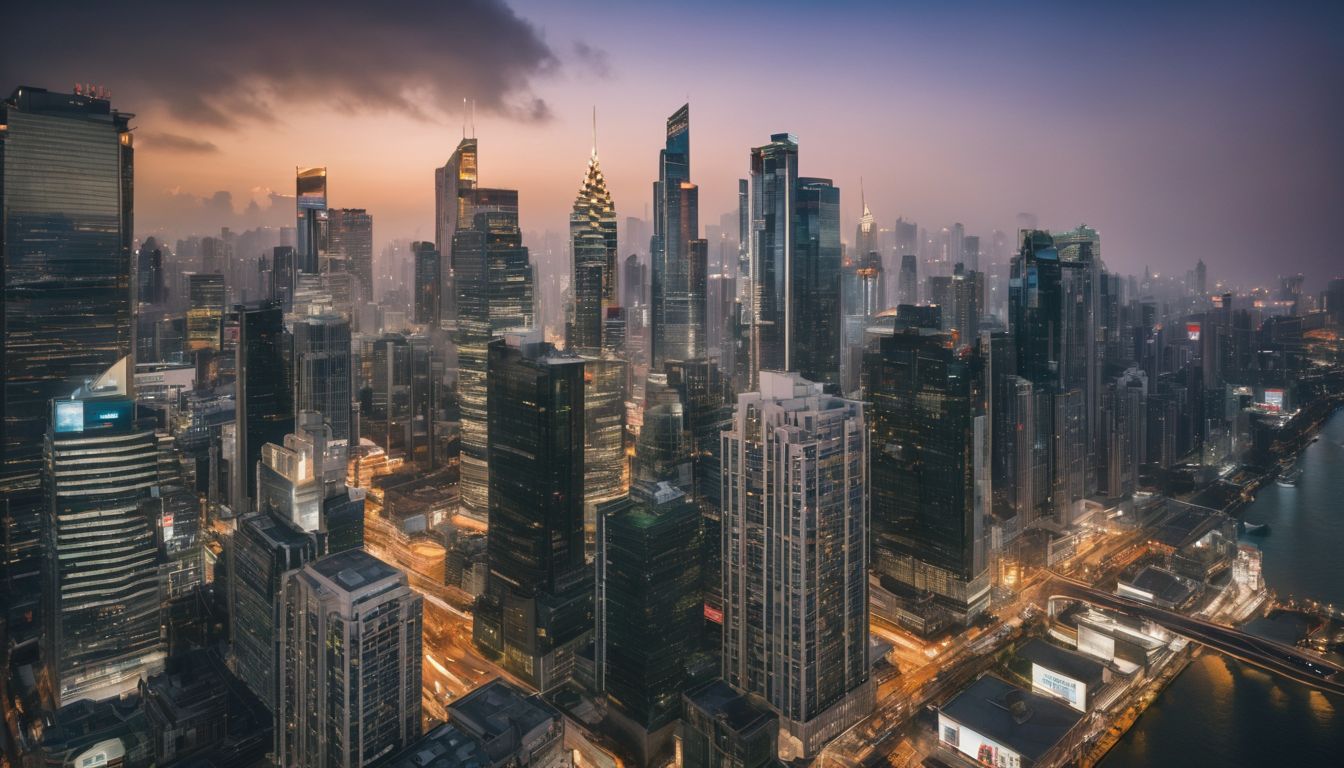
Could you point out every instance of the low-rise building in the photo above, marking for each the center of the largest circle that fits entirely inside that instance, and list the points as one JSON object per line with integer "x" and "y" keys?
{"x": 992, "y": 722}
{"x": 1068, "y": 675}
{"x": 513, "y": 728}
{"x": 722, "y": 728}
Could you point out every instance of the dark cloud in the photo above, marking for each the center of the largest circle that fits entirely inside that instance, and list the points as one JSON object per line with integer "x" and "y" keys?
{"x": 594, "y": 59}
{"x": 170, "y": 213}
{"x": 256, "y": 60}
{"x": 175, "y": 142}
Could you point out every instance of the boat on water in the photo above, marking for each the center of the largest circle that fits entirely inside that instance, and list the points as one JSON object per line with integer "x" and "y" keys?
{"x": 1255, "y": 529}
{"x": 1289, "y": 477}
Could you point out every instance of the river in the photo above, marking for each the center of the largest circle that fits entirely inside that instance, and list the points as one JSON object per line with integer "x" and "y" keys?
{"x": 1220, "y": 712}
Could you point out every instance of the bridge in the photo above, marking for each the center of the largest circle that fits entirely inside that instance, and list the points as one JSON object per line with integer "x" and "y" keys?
{"x": 1277, "y": 658}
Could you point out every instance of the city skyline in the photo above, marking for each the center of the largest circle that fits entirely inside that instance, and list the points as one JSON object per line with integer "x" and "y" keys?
{"x": 1181, "y": 139}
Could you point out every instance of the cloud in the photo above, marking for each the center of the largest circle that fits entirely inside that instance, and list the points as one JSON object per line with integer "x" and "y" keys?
{"x": 594, "y": 59}
{"x": 174, "y": 142}
{"x": 170, "y": 213}
{"x": 257, "y": 60}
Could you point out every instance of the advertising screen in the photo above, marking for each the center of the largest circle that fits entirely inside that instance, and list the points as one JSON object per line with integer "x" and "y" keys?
{"x": 1274, "y": 399}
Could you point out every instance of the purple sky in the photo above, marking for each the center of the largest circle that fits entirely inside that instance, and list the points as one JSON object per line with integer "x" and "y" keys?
{"x": 1208, "y": 130}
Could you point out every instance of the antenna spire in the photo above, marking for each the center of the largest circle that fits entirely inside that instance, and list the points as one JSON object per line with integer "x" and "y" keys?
{"x": 464, "y": 117}
{"x": 473, "y": 118}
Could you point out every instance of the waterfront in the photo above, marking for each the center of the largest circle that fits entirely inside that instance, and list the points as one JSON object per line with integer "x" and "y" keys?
{"x": 1220, "y": 712}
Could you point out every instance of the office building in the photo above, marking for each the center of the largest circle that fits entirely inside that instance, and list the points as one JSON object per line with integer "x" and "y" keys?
{"x": 723, "y": 728}
{"x": 264, "y": 403}
{"x": 795, "y": 558}
{"x": 310, "y": 203}
{"x": 284, "y": 276}
{"x": 511, "y": 727}
{"x": 150, "y": 288}
{"x": 493, "y": 277}
{"x": 101, "y": 592}
{"x": 537, "y": 609}
{"x": 350, "y": 659}
{"x": 909, "y": 280}
{"x": 428, "y": 283}
{"x": 205, "y": 311}
{"x": 774, "y": 179}
{"x": 814, "y": 278}
{"x": 323, "y": 372}
{"x": 605, "y": 460}
{"x": 262, "y": 553}
{"x": 648, "y": 608}
{"x": 454, "y": 198}
{"x": 350, "y": 247}
{"x": 303, "y": 481}
{"x": 679, "y": 258}
{"x": 929, "y": 472}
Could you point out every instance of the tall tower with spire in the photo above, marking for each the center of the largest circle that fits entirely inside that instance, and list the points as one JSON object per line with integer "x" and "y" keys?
{"x": 592, "y": 240}
{"x": 865, "y": 238}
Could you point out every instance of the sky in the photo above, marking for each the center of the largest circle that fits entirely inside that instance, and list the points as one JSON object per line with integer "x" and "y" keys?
{"x": 1180, "y": 130}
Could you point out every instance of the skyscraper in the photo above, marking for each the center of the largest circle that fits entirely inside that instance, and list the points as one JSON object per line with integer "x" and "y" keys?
{"x": 774, "y": 178}
{"x": 102, "y": 589}
{"x": 795, "y": 557}
{"x": 150, "y": 287}
{"x": 606, "y": 463}
{"x": 929, "y": 471}
{"x": 537, "y": 607}
{"x": 493, "y": 277}
{"x": 815, "y": 284}
{"x": 428, "y": 283}
{"x": 909, "y": 280}
{"x": 677, "y": 295}
{"x": 349, "y": 663}
{"x": 454, "y": 187}
{"x": 350, "y": 246}
{"x": 65, "y": 261}
{"x": 264, "y": 403}
{"x": 648, "y": 607}
{"x": 264, "y": 550}
{"x": 205, "y": 311}
{"x": 303, "y": 481}
{"x": 323, "y": 372}
{"x": 592, "y": 237}
{"x": 310, "y": 201}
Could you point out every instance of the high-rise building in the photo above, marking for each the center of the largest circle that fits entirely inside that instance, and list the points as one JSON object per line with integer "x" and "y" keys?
{"x": 350, "y": 650}
{"x": 323, "y": 372}
{"x": 605, "y": 461}
{"x": 815, "y": 284}
{"x": 648, "y": 608}
{"x": 284, "y": 276}
{"x": 102, "y": 595}
{"x": 350, "y": 246}
{"x": 428, "y": 283}
{"x": 264, "y": 401}
{"x": 537, "y": 608}
{"x": 205, "y": 311}
{"x": 262, "y": 553}
{"x": 150, "y": 288}
{"x": 310, "y": 202}
{"x": 592, "y": 237}
{"x": 303, "y": 481}
{"x": 774, "y": 178}
{"x": 909, "y": 280}
{"x": 795, "y": 557}
{"x": 65, "y": 263}
{"x": 493, "y": 276}
{"x": 454, "y": 196}
{"x": 677, "y": 294}
{"x": 930, "y": 471}
{"x": 724, "y": 728}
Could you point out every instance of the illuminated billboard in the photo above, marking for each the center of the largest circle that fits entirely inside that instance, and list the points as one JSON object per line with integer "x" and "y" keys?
{"x": 1192, "y": 331}
{"x": 1274, "y": 399}
{"x": 92, "y": 415}
{"x": 311, "y": 187}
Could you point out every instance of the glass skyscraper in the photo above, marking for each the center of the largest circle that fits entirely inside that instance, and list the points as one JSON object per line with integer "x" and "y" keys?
{"x": 454, "y": 198}
{"x": 322, "y": 372}
{"x": 350, "y": 243}
{"x": 679, "y": 257}
{"x": 264, "y": 403}
{"x": 67, "y": 163}
{"x": 592, "y": 237}
{"x": 310, "y": 203}
{"x": 537, "y": 606}
{"x": 494, "y": 282}
{"x": 815, "y": 274}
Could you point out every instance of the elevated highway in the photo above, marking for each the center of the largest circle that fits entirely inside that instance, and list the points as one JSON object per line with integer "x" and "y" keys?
{"x": 1279, "y": 658}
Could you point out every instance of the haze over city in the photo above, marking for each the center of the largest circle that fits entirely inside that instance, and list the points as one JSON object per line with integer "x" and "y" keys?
{"x": 1175, "y": 129}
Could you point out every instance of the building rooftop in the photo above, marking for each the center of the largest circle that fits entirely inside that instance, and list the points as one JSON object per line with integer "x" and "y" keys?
{"x": 498, "y": 708}
{"x": 1162, "y": 584}
{"x": 1064, "y": 661}
{"x": 444, "y": 747}
{"x": 1027, "y": 723}
{"x": 722, "y": 702}
{"x": 354, "y": 568}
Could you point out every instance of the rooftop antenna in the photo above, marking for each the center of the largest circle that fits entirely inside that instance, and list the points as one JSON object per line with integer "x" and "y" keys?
{"x": 863, "y": 202}
{"x": 473, "y": 118}
{"x": 464, "y": 117}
